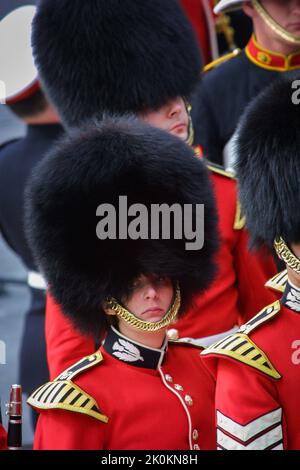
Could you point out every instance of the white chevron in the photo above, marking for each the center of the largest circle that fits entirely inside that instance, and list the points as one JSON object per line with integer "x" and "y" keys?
{"x": 247, "y": 431}
{"x": 261, "y": 443}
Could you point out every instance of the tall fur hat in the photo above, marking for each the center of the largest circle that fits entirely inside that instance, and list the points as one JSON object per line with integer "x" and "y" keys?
{"x": 268, "y": 163}
{"x": 119, "y": 157}
{"x": 115, "y": 56}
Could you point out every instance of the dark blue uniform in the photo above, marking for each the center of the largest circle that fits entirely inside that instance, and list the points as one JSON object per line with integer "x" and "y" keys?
{"x": 17, "y": 159}
{"x": 226, "y": 91}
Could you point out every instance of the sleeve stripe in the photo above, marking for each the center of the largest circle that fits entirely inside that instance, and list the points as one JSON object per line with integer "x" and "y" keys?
{"x": 261, "y": 443}
{"x": 247, "y": 431}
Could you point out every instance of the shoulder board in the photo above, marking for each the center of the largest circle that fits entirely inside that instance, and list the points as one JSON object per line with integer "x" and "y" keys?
{"x": 186, "y": 342}
{"x": 220, "y": 170}
{"x": 266, "y": 314}
{"x": 239, "y": 219}
{"x": 240, "y": 347}
{"x": 221, "y": 60}
{"x": 65, "y": 395}
{"x": 80, "y": 366}
{"x": 278, "y": 282}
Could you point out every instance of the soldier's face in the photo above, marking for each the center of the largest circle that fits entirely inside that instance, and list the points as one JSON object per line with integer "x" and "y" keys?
{"x": 172, "y": 117}
{"x": 285, "y": 12}
{"x": 149, "y": 297}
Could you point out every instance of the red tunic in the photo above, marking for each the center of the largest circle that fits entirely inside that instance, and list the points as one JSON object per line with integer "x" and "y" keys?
{"x": 151, "y": 400}
{"x": 235, "y": 296}
{"x": 258, "y": 389}
{"x": 3, "y": 438}
{"x": 203, "y": 23}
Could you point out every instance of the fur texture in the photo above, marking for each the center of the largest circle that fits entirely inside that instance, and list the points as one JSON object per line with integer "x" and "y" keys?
{"x": 116, "y": 56}
{"x": 268, "y": 164}
{"x": 119, "y": 157}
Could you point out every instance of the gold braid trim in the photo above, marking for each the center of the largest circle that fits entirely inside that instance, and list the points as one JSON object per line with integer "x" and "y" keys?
{"x": 276, "y": 27}
{"x": 286, "y": 255}
{"x": 132, "y": 320}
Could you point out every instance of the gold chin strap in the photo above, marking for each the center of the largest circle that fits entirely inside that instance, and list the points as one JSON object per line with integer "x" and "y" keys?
{"x": 190, "y": 139}
{"x": 286, "y": 255}
{"x": 276, "y": 27}
{"x": 131, "y": 319}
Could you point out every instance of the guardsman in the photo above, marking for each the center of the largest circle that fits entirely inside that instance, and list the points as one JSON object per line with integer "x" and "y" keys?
{"x": 25, "y": 98}
{"x": 154, "y": 90}
{"x": 274, "y": 49}
{"x": 136, "y": 391}
{"x": 257, "y": 369}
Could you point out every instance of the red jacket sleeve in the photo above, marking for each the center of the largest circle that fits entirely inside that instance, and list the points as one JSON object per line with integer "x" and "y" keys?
{"x": 249, "y": 416}
{"x": 253, "y": 269}
{"x": 65, "y": 344}
{"x": 64, "y": 430}
{"x": 3, "y": 438}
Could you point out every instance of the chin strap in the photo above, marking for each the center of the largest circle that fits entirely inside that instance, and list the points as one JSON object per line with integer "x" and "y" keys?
{"x": 286, "y": 255}
{"x": 276, "y": 27}
{"x": 169, "y": 317}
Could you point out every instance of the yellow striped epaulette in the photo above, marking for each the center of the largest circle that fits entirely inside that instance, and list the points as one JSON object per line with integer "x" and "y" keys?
{"x": 215, "y": 63}
{"x": 239, "y": 346}
{"x": 63, "y": 394}
{"x": 278, "y": 282}
{"x": 219, "y": 169}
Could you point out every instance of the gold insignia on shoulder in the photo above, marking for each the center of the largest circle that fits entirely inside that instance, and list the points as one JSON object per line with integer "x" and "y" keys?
{"x": 240, "y": 347}
{"x": 220, "y": 170}
{"x": 266, "y": 314}
{"x": 65, "y": 395}
{"x": 80, "y": 366}
{"x": 239, "y": 219}
{"x": 221, "y": 60}
{"x": 278, "y": 282}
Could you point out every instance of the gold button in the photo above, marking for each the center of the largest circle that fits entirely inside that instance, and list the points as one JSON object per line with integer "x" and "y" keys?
{"x": 169, "y": 378}
{"x": 195, "y": 435}
{"x": 188, "y": 400}
{"x": 178, "y": 387}
{"x": 173, "y": 334}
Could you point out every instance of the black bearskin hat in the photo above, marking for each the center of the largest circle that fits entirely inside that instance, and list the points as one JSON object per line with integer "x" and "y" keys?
{"x": 119, "y": 157}
{"x": 114, "y": 56}
{"x": 268, "y": 164}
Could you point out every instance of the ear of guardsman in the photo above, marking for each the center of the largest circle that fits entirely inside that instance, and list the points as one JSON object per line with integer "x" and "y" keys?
{"x": 116, "y": 71}
{"x": 88, "y": 169}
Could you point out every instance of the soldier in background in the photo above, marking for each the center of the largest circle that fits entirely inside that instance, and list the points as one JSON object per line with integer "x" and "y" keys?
{"x": 257, "y": 369}
{"x": 274, "y": 49}
{"x": 25, "y": 98}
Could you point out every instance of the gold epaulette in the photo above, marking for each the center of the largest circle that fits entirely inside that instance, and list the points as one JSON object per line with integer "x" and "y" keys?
{"x": 63, "y": 394}
{"x": 240, "y": 347}
{"x": 220, "y": 170}
{"x": 221, "y": 60}
{"x": 278, "y": 282}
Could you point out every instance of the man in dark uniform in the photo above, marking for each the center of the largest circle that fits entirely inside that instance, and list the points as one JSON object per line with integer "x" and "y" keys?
{"x": 25, "y": 98}
{"x": 273, "y": 49}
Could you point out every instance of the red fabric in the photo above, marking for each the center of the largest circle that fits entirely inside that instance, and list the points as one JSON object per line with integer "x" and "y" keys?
{"x": 143, "y": 412}
{"x": 195, "y": 12}
{"x": 3, "y": 438}
{"x": 244, "y": 394}
{"x": 238, "y": 292}
{"x": 65, "y": 345}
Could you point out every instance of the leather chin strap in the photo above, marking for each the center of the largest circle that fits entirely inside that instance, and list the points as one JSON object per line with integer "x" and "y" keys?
{"x": 274, "y": 26}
